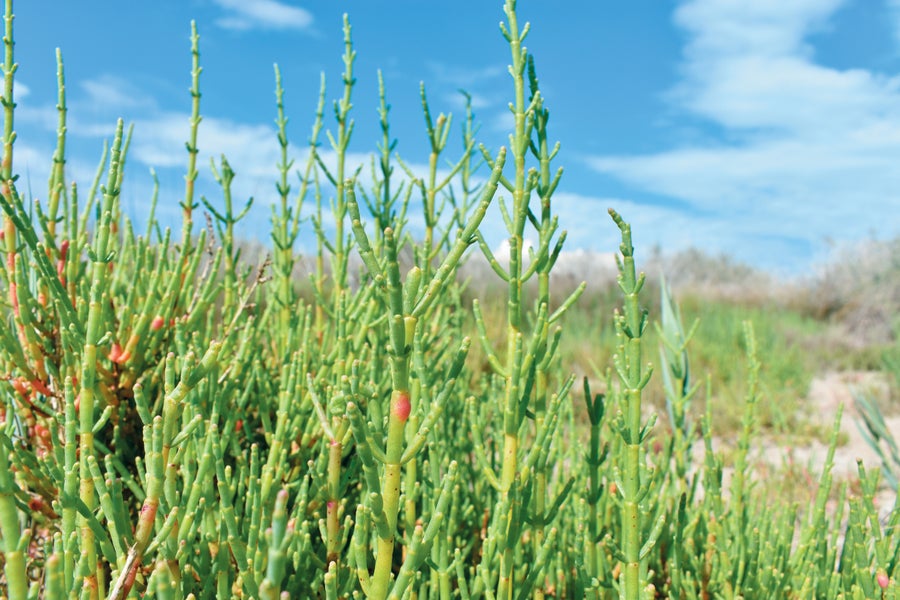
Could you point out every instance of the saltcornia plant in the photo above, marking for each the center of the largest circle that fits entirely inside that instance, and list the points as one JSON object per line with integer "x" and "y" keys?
{"x": 178, "y": 423}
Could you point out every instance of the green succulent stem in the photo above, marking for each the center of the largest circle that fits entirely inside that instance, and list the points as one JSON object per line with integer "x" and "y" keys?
{"x": 175, "y": 425}
{"x": 57, "y": 184}
{"x": 630, "y": 327}
{"x": 190, "y": 178}
{"x": 14, "y": 568}
{"x": 9, "y": 136}
{"x": 89, "y": 377}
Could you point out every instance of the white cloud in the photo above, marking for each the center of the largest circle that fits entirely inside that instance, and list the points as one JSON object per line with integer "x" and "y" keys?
{"x": 253, "y": 153}
{"x": 503, "y": 121}
{"x": 110, "y": 93}
{"x": 458, "y": 101}
{"x": 748, "y": 67}
{"x": 808, "y": 151}
{"x": 159, "y": 141}
{"x": 478, "y": 82}
{"x": 44, "y": 117}
{"x": 263, "y": 14}
{"x": 735, "y": 28}
{"x": 894, "y": 8}
{"x": 21, "y": 91}
{"x": 463, "y": 77}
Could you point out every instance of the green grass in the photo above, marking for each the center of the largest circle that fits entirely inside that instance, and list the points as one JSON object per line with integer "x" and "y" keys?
{"x": 716, "y": 350}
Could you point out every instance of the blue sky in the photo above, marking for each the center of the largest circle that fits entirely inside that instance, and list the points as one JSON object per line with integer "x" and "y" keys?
{"x": 768, "y": 130}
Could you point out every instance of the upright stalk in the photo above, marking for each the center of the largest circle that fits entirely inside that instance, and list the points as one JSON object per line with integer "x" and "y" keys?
{"x": 284, "y": 227}
{"x": 407, "y": 301}
{"x": 630, "y": 325}
{"x": 58, "y": 174}
{"x": 225, "y": 221}
{"x": 9, "y": 105}
{"x": 546, "y": 184}
{"x": 89, "y": 377}
{"x": 438, "y": 132}
{"x": 14, "y": 567}
{"x": 520, "y": 189}
{"x": 190, "y": 178}
{"x": 469, "y": 166}
{"x": 340, "y": 144}
{"x": 286, "y": 222}
{"x": 383, "y": 207}
{"x": 9, "y": 136}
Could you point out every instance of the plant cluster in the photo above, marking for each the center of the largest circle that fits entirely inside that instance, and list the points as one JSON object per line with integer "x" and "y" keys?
{"x": 175, "y": 424}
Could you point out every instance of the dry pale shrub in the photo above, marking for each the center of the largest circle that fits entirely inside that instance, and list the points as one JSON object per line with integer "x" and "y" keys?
{"x": 858, "y": 288}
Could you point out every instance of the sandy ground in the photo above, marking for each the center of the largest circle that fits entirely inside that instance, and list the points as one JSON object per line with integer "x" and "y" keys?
{"x": 826, "y": 394}
{"x": 805, "y": 462}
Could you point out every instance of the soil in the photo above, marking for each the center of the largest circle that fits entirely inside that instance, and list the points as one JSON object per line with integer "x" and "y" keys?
{"x": 802, "y": 463}
{"x": 826, "y": 394}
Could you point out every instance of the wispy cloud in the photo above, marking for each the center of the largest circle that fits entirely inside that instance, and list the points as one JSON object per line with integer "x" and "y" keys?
{"x": 463, "y": 77}
{"x": 21, "y": 91}
{"x": 748, "y": 66}
{"x": 458, "y": 100}
{"x": 807, "y": 152}
{"x": 159, "y": 143}
{"x": 502, "y": 121}
{"x": 894, "y": 8}
{"x": 112, "y": 94}
{"x": 263, "y": 14}
{"x": 481, "y": 83}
